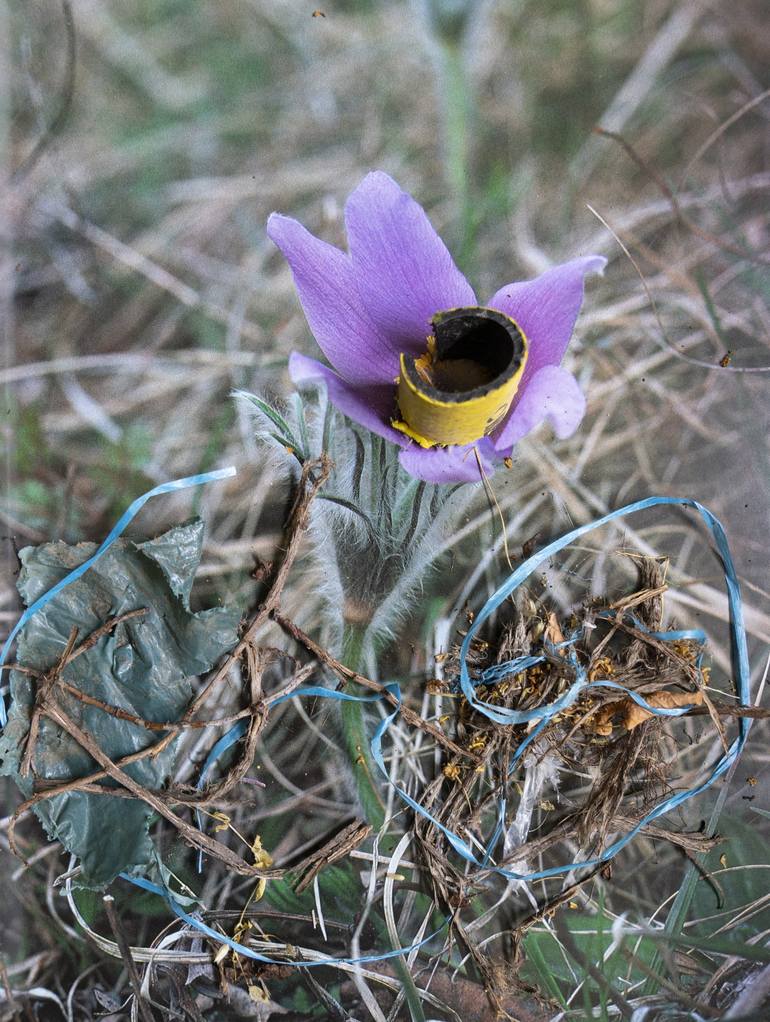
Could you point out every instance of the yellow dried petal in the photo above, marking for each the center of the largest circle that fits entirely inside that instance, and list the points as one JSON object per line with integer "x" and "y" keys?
{"x": 636, "y": 715}
{"x": 220, "y": 956}
{"x": 224, "y": 822}
{"x": 553, "y": 631}
{"x": 262, "y": 858}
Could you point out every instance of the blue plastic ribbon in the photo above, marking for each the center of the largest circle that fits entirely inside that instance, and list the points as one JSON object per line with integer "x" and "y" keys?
{"x": 522, "y": 573}
{"x": 239, "y": 729}
{"x": 118, "y": 529}
{"x": 544, "y": 714}
{"x": 684, "y": 634}
{"x": 248, "y": 952}
{"x": 541, "y": 715}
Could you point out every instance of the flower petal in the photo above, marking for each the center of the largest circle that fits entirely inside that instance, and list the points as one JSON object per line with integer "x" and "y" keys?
{"x": 403, "y": 270}
{"x": 546, "y": 309}
{"x": 553, "y": 394}
{"x": 327, "y": 290}
{"x": 371, "y": 407}
{"x": 449, "y": 464}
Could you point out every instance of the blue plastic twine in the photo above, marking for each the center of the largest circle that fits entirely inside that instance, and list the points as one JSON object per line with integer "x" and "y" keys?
{"x": 541, "y": 715}
{"x": 247, "y": 952}
{"x": 118, "y": 529}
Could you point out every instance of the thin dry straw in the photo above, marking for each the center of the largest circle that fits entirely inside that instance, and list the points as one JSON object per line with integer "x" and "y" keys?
{"x": 542, "y": 714}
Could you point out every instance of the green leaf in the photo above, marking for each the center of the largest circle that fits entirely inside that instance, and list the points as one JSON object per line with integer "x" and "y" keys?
{"x": 143, "y": 666}
{"x": 286, "y": 435}
{"x": 354, "y": 509}
{"x": 592, "y": 934}
{"x": 539, "y": 967}
{"x": 741, "y": 870}
{"x": 89, "y": 904}
{"x": 340, "y": 890}
{"x": 299, "y": 414}
{"x": 716, "y": 945}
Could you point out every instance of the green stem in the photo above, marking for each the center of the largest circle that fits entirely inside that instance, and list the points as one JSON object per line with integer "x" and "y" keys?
{"x": 365, "y": 772}
{"x": 456, "y": 108}
{"x": 368, "y": 786}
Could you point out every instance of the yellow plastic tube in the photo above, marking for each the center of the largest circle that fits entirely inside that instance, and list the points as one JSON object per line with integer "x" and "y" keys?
{"x": 465, "y": 382}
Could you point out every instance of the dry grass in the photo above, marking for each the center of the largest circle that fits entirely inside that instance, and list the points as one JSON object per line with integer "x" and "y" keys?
{"x": 138, "y": 288}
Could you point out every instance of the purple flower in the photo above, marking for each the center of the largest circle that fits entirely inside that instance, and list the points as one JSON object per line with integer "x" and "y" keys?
{"x": 369, "y": 305}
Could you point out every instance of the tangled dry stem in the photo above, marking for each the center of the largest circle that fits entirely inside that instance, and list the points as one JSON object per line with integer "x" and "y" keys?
{"x": 626, "y": 761}
{"x": 246, "y": 652}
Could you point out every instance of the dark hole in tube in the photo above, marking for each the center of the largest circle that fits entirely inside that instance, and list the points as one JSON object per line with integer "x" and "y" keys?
{"x": 472, "y": 349}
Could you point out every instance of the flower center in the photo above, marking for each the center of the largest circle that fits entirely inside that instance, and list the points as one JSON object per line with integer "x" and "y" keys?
{"x": 460, "y": 388}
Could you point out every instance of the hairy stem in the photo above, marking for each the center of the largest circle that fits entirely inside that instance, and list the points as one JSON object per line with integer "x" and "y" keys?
{"x": 365, "y": 772}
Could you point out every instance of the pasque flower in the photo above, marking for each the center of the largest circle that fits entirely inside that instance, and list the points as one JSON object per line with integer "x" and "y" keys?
{"x": 413, "y": 356}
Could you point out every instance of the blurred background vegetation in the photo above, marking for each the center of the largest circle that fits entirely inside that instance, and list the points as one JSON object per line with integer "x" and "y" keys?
{"x": 143, "y": 144}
